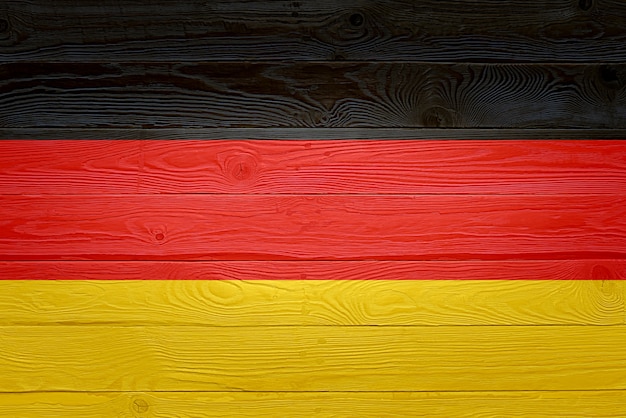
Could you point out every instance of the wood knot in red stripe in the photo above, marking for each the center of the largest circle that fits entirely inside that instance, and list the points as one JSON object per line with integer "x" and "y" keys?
{"x": 241, "y": 168}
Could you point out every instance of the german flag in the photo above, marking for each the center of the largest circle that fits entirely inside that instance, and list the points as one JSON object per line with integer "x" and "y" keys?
{"x": 271, "y": 274}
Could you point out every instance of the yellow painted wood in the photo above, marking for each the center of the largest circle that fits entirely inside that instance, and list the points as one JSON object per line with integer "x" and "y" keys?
{"x": 621, "y": 286}
{"x": 312, "y": 302}
{"x": 313, "y": 358}
{"x": 322, "y": 404}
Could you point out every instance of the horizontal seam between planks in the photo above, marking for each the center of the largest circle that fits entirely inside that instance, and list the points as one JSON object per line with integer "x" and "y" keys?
{"x": 322, "y": 391}
{"x": 91, "y": 324}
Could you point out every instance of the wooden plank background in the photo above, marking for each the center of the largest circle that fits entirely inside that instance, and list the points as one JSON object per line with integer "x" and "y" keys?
{"x": 205, "y": 227}
{"x": 327, "y": 94}
{"x": 466, "y": 258}
{"x": 324, "y": 30}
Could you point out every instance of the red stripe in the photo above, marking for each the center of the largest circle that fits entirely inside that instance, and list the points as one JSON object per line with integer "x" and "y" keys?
{"x": 310, "y": 167}
{"x": 261, "y": 203}
{"x": 316, "y": 270}
{"x": 253, "y": 227}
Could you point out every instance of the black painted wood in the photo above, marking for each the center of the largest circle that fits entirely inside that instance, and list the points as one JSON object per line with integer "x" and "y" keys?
{"x": 318, "y": 69}
{"x": 330, "y": 95}
{"x": 355, "y": 30}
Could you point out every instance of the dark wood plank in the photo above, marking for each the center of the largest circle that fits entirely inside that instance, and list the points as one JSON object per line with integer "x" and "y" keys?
{"x": 312, "y": 95}
{"x": 307, "y": 133}
{"x": 313, "y": 167}
{"x": 425, "y": 30}
{"x": 262, "y": 227}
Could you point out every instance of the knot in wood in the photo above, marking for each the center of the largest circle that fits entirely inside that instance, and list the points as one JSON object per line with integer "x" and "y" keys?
{"x": 585, "y": 4}
{"x": 140, "y": 405}
{"x": 437, "y": 116}
{"x": 241, "y": 168}
{"x": 356, "y": 19}
{"x": 158, "y": 234}
{"x": 612, "y": 77}
{"x": 4, "y": 25}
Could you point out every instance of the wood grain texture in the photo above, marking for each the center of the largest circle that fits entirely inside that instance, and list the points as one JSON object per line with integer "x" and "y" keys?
{"x": 320, "y": 167}
{"x": 318, "y": 404}
{"x": 311, "y": 302}
{"x": 339, "y": 227}
{"x": 307, "y": 133}
{"x": 526, "y": 270}
{"x": 332, "y": 95}
{"x": 328, "y": 278}
{"x": 428, "y": 30}
{"x": 188, "y": 358}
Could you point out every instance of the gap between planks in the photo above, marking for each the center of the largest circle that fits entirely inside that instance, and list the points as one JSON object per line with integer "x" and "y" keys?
{"x": 405, "y": 134}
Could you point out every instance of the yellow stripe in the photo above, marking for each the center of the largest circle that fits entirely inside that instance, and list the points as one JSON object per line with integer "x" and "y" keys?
{"x": 305, "y": 405}
{"x": 295, "y": 302}
{"x": 312, "y": 358}
{"x": 131, "y": 338}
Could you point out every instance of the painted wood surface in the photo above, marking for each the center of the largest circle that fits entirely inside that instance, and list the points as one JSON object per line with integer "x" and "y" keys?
{"x": 313, "y": 167}
{"x": 511, "y": 270}
{"x": 311, "y": 358}
{"x": 428, "y": 30}
{"x": 321, "y": 94}
{"x": 313, "y": 404}
{"x": 496, "y": 291}
{"x": 335, "y": 302}
{"x": 263, "y": 227}
{"x": 405, "y": 134}
{"x": 472, "y": 290}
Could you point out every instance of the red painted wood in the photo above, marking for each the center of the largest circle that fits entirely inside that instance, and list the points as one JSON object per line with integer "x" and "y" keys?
{"x": 315, "y": 270}
{"x": 253, "y": 227}
{"x": 312, "y": 167}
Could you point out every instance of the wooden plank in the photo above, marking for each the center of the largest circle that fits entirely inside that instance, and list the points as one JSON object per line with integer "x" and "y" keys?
{"x": 118, "y": 301}
{"x": 333, "y": 95}
{"x": 276, "y": 358}
{"x": 428, "y": 30}
{"x": 320, "y": 167}
{"x": 307, "y": 133}
{"x": 525, "y": 270}
{"x": 335, "y": 227}
{"x": 313, "y": 404}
